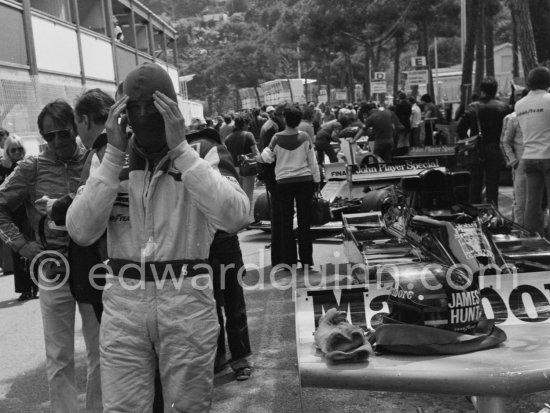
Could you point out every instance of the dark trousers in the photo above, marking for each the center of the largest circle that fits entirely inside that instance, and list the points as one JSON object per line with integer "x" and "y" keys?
{"x": 488, "y": 173}
{"x": 428, "y": 135}
{"x": 384, "y": 150}
{"x": 322, "y": 148}
{"x": 229, "y": 294}
{"x": 275, "y": 219}
{"x": 22, "y": 276}
{"x": 414, "y": 138}
{"x": 302, "y": 194}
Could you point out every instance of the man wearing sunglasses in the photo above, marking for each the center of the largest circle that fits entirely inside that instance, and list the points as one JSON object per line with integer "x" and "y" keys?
{"x": 3, "y": 136}
{"x": 161, "y": 210}
{"x": 54, "y": 173}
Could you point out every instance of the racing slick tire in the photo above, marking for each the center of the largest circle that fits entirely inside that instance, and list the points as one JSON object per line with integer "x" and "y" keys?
{"x": 377, "y": 200}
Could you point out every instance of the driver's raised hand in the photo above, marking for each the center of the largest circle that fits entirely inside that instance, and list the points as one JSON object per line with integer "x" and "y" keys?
{"x": 173, "y": 119}
{"x": 115, "y": 135}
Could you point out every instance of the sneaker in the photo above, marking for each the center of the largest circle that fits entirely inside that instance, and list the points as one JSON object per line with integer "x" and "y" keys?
{"x": 243, "y": 373}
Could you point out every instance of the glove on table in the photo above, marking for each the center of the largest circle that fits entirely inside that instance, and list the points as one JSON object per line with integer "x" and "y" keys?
{"x": 339, "y": 340}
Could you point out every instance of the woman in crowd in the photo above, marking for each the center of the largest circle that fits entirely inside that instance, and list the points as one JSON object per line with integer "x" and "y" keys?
{"x": 297, "y": 175}
{"x": 14, "y": 151}
{"x": 240, "y": 142}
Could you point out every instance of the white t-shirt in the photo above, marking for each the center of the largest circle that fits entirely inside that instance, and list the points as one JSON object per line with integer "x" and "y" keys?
{"x": 533, "y": 114}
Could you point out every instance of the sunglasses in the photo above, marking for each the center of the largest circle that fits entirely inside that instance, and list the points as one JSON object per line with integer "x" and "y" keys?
{"x": 13, "y": 150}
{"x": 62, "y": 133}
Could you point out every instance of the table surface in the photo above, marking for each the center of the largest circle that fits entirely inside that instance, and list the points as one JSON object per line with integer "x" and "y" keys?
{"x": 519, "y": 365}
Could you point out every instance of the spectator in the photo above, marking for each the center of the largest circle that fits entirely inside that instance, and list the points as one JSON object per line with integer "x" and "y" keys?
{"x": 197, "y": 124}
{"x": 54, "y": 173}
{"x": 415, "y": 121}
{"x": 430, "y": 115}
{"x": 256, "y": 122}
{"x": 239, "y": 143}
{"x": 306, "y": 123}
{"x": 269, "y": 129}
{"x": 119, "y": 36}
{"x": 226, "y": 127}
{"x": 403, "y": 111}
{"x": 511, "y": 142}
{"x": 14, "y": 151}
{"x": 219, "y": 122}
{"x": 296, "y": 173}
{"x": 324, "y": 137}
{"x": 167, "y": 223}
{"x": 3, "y": 136}
{"x": 227, "y": 267}
{"x": 91, "y": 111}
{"x": 533, "y": 114}
{"x": 382, "y": 123}
{"x": 491, "y": 112}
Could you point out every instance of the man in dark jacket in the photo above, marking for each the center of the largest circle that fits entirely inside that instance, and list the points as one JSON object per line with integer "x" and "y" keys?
{"x": 382, "y": 123}
{"x": 490, "y": 111}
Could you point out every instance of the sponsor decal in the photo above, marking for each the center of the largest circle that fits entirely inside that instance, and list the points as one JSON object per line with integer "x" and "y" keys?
{"x": 471, "y": 241}
{"x": 399, "y": 293}
{"x": 464, "y": 307}
{"x": 232, "y": 179}
{"x": 502, "y": 299}
{"x": 443, "y": 149}
{"x": 122, "y": 199}
{"x": 529, "y": 111}
{"x": 119, "y": 218}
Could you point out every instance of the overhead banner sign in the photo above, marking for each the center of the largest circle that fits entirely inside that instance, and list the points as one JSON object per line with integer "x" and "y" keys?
{"x": 417, "y": 77}
{"x": 379, "y": 87}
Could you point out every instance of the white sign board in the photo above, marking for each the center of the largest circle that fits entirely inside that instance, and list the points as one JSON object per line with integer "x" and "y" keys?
{"x": 417, "y": 77}
{"x": 379, "y": 87}
{"x": 418, "y": 61}
{"x": 341, "y": 95}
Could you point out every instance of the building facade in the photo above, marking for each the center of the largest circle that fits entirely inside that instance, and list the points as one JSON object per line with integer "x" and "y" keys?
{"x": 53, "y": 49}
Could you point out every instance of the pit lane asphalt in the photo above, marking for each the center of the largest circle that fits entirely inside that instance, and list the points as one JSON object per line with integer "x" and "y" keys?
{"x": 274, "y": 385}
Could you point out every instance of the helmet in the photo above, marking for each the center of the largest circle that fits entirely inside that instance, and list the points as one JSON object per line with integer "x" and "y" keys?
{"x": 435, "y": 296}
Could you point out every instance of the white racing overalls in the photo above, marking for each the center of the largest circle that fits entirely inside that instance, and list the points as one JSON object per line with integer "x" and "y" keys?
{"x": 162, "y": 219}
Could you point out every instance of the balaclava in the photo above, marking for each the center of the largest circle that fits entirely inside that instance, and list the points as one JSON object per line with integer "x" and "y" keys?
{"x": 140, "y": 84}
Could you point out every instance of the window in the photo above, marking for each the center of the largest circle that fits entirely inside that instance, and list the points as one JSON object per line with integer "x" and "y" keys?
{"x": 92, "y": 15}
{"x": 14, "y": 50}
{"x": 57, "y": 8}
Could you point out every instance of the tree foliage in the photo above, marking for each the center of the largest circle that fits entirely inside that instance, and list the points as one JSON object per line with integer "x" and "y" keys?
{"x": 339, "y": 43}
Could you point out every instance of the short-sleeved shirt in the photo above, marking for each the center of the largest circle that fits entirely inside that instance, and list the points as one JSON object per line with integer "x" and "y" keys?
{"x": 239, "y": 143}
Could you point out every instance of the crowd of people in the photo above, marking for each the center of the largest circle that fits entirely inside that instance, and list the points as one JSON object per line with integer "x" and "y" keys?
{"x": 123, "y": 183}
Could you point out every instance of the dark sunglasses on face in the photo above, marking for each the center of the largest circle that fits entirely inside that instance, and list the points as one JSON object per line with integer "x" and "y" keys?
{"x": 62, "y": 133}
{"x": 18, "y": 149}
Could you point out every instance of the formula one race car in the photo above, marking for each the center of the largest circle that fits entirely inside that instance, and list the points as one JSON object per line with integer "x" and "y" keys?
{"x": 347, "y": 183}
{"x": 426, "y": 218}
